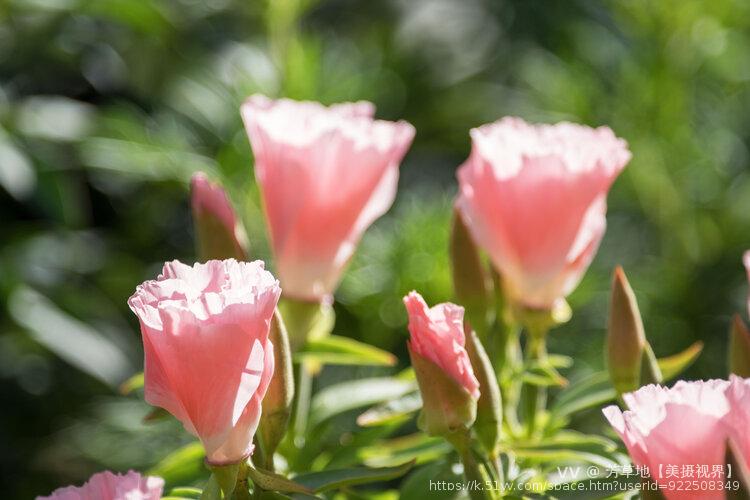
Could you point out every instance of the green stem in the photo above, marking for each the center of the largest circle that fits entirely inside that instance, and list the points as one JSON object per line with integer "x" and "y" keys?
{"x": 242, "y": 489}
{"x": 304, "y": 395}
{"x": 536, "y": 396}
{"x": 508, "y": 365}
{"x": 473, "y": 474}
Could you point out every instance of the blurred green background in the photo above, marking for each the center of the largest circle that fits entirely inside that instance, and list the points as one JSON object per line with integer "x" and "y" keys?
{"x": 108, "y": 106}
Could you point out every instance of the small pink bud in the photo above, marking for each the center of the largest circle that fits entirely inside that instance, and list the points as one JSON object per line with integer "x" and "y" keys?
{"x": 446, "y": 379}
{"x": 218, "y": 233}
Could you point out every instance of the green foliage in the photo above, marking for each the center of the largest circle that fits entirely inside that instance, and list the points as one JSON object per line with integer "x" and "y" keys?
{"x": 107, "y": 107}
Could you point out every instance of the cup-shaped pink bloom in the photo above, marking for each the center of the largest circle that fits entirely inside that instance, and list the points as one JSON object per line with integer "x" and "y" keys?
{"x": 208, "y": 360}
{"x": 437, "y": 334}
{"x": 534, "y": 197}
{"x": 218, "y": 231}
{"x": 108, "y": 486}
{"x": 326, "y": 174}
{"x": 673, "y": 431}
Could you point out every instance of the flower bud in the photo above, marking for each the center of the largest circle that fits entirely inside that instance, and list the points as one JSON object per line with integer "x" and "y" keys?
{"x": 626, "y": 339}
{"x": 444, "y": 373}
{"x": 218, "y": 234}
{"x": 277, "y": 403}
{"x": 739, "y": 348}
{"x": 488, "y": 425}
{"x": 472, "y": 284}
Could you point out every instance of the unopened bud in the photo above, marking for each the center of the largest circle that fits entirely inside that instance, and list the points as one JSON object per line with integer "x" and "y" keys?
{"x": 626, "y": 340}
{"x": 277, "y": 403}
{"x": 488, "y": 425}
{"x": 472, "y": 283}
{"x": 739, "y": 348}
{"x": 218, "y": 234}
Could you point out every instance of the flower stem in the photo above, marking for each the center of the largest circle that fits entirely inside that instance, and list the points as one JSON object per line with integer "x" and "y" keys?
{"x": 475, "y": 477}
{"x": 304, "y": 395}
{"x": 536, "y": 396}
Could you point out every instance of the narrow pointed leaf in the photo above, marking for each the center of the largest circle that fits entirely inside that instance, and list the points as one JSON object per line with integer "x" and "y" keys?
{"x": 345, "y": 396}
{"x": 132, "y": 384}
{"x": 335, "y": 479}
{"x": 342, "y": 350}
{"x": 275, "y": 482}
{"x": 671, "y": 366}
{"x": 416, "y": 447}
{"x": 391, "y": 411}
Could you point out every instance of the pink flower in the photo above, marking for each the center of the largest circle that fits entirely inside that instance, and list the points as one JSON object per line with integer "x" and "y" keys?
{"x": 326, "y": 174}
{"x": 208, "y": 360}
{"x": 666, "y": 429}
{"x": 218, "y": 231}
{"x": 108, "y": 486}
{"x": 534, "y": 197}
{"x": 738, "y": 419}
{"x": 437, "y": 334}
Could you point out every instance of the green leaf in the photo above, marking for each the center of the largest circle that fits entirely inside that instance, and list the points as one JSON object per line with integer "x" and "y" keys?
{"x": 396, "y": 410}
{"x": 671, "y": 366}
{"x": 572, "y": 447}
{"x": 592, "y": 391}
{"x": 334, "y": 479}
{"x": 416, "y": 447}
{"x": 559, "y": 361}
{"x": 563, "y": 455}
{"x": 184, "y": 492}
{"x": 417, "y": 484}
{"x": 275, "y": 482}
{"x": 182, "y": 466}
{"x": 345, "y": 396}
{"x": 132, "y": 384}
{"x": 543, "y": 374}
{"x": 344, "y": 351}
